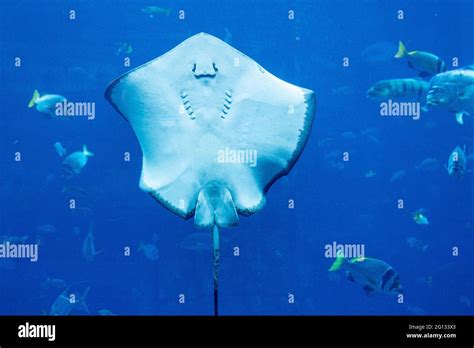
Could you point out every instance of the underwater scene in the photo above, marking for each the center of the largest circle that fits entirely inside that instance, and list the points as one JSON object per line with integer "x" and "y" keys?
{"x": 304, "y": 157}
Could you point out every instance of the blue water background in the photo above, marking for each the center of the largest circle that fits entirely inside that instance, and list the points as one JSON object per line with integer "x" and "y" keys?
{"x": 281, "y": 249}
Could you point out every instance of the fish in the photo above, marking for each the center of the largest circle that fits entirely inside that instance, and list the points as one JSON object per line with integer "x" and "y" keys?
{"x": 465, "y": 300}
{"x": 417, "y": 244}
{"x": 88, "y": 248}
{"x": 46, "y": 103}
{"x": 74, "y": 191}
{"x": 53, "y": 283}
{"x": 152, "y": 11}
{"x": 454, "y": 91}
{"x": 123, "y": 48}
{"x": 76, "y": 230}
{"x": 348, "y": 135}
{"x": 13, "y": 239}
{"x": 149, "y": 250}
{"x": 62, "y": 306}
{"x": 370, "y": 174}
{"x": 326, "y": 142}
{"x": 76, "y": 161}
{"x": 420, "y": 218}
{"x": 457, "y": 162}
{"x": 106, "y": 312}
{"x": 226, "y": 101}
{"x": 379, "y": 52}
{"x": 200, "y": 242}
{"x": 398, "y": 175}
{"x": 409, "y": 89}
{"x": 415, "y": 310}
{"x": 425, "y": 63}
{"x": 59, "y": 148}
{"x": 428, "y": 165}
{"x": 376, "y": 276}
{"x": 46, "y": 229}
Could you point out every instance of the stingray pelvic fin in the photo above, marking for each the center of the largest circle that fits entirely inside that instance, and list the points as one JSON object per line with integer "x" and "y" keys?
{"x": 215, "y": 206}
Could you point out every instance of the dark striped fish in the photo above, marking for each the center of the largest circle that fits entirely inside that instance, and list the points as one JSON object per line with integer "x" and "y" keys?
{"x": 414, "y": 89}
{"x": 373, "y": 274}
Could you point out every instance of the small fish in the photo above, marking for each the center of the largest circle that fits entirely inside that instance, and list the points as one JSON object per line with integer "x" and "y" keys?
{"x": 420, "y": 218}
{"x": 465, "y": 300}
{"x": 370, "y": 174}
{"x": 13, "y": 239}
{"x": 325, "y": 142}
{"x": 343, "y": 91}
{"x": 76, "y": 161}
{"x": 373, "y": 274}
{"x": 415, "y": 310}
{"x": 88, "y": 248}
{"x": 46, "y": 103}
{"x": 199, "y": 242}
{"x": 65, "y": 303}
{"x": 425, "y": 63}
{"x": 150, "y": 251}
{"x": 425, "y": 281}
{"x": 457, "y": 162}
{"x": 74, "y": 191}
{"x": 428, "y": 165}
{"x": 123, "y": 48}
{"x": 397, "y": 176}
{"x": 348, "y": 135}
{"x": 379, "y": 52}
{"x": 417, "y": 244}
{"x": 454, "y": 91}
{"x": 46, "y": 229}
{"x": 53, "y": 283}
{"x": 155, "y": 10}
{"x": 59, "y": 148}
{"x": 106, "y": 312}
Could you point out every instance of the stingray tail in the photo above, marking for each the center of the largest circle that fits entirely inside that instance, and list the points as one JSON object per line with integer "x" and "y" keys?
{"x": 216, "y": 256}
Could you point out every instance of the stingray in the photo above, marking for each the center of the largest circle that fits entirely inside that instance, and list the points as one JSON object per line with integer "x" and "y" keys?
{"x": 216, "y": 131}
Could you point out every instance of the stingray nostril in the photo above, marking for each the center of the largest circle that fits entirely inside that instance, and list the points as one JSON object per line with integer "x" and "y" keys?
{"x": 194, "y": 67}
{"x": 215, "y": 67}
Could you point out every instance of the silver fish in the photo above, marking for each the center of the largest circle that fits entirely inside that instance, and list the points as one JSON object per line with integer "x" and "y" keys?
{"x": 88, "y": 248}
{"x": 63, "y": 305}
{"x": 413, "y": 89}
{"x": 453, "y": 90}
{"x": 457, "y": 162}
{"x": 76, "y": 161}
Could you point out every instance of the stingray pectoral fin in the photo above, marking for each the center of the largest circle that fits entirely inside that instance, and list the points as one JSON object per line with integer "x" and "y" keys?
{"x": 215, "y": 206}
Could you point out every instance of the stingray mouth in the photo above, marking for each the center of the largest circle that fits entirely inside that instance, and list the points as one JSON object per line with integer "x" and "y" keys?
{"x": 206, "y": 73}
{"x": 224, "y": 111}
